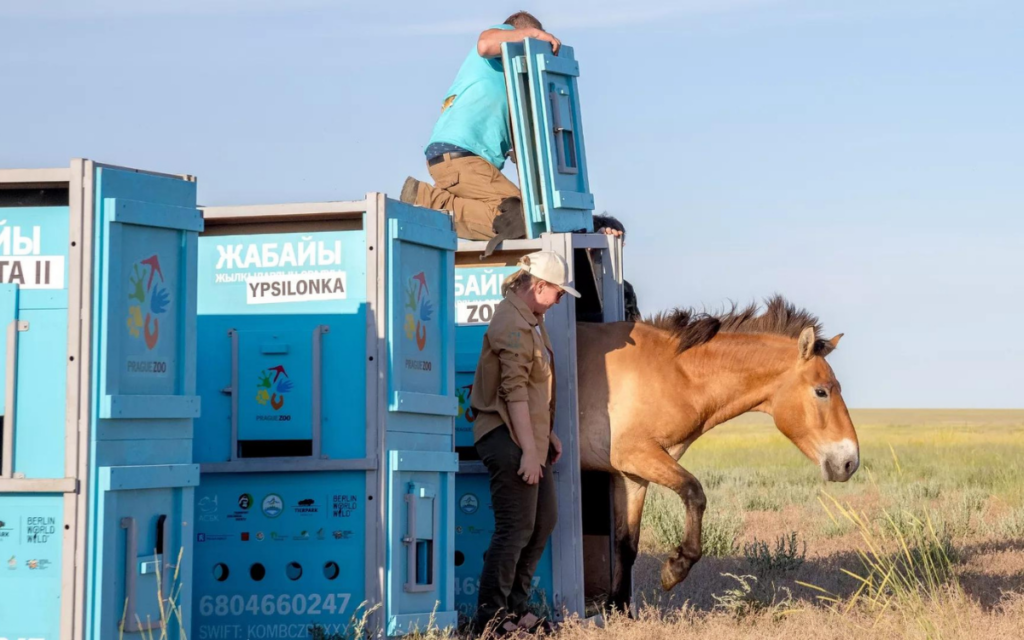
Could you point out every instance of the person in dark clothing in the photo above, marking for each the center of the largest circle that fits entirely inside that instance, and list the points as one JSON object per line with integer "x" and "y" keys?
{"x": 610, "y": 225}
{"x": 514, "y": 397}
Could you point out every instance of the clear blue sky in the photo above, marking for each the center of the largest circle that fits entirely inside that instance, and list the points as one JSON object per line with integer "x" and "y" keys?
{"x": 866, "y": 158}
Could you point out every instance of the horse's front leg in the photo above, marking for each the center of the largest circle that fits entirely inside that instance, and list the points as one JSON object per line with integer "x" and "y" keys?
{"x": 651, "y": 462}
{"x": 629, "y": 496}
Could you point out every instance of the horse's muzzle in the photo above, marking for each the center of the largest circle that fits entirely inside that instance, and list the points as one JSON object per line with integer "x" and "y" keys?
{"x": 839, "y": 461}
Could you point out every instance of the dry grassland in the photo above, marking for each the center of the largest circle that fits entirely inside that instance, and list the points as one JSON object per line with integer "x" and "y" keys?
{"x": 926, "y": 541}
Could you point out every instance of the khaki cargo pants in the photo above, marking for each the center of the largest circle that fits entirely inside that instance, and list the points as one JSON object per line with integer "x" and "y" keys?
{"x": 471, "y": 189}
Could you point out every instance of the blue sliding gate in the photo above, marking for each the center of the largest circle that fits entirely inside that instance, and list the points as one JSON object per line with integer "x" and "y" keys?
{"x": 547, "y": 131}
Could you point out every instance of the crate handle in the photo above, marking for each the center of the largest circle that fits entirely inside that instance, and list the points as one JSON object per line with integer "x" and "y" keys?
{"x": 10, "y": 394}
{"x": 317, "y": 388}
{"x": 233, "y": 334}
{"x": 563, "y": 134}
{"x": 411, "y": 584}
{"x": 130, "y": 623}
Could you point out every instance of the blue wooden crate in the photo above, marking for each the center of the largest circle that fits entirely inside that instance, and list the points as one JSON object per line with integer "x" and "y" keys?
{"x": 99, "y": 307}
{"x": 330, "y": 390}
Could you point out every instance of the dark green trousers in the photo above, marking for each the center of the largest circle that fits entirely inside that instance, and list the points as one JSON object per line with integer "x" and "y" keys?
{"x": 524, "y": 517}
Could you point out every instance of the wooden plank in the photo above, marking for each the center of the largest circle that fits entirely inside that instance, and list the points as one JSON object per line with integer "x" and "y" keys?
{"x": 156, "y": 476}
{"x": 442, "y": 461}
{"x": 38, "y": 485}
{"x": 150, "y": 214}
{"x": 149, "y": 407}
{"x": 29, "y": 178}
{"x": 288, "y": 465}
{"x": 282, "y": 212}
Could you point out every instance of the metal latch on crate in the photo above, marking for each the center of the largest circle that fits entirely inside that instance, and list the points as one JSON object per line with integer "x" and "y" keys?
{"x": 422, "y": 552}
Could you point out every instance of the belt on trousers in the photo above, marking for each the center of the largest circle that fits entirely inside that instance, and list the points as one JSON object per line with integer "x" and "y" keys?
{"x": 450, "y": 154}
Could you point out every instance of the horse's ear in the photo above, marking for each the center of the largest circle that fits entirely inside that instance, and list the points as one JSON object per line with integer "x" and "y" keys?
{"x": 806, "y": 343}
{"x": 824, "y": 347}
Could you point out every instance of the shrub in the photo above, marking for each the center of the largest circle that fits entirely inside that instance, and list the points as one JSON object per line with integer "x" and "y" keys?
{"x": 664, "y": 516}
{"x": 718, "y": 539}
{"x": 751, "y": 597}
{"x": 712, "y": 480}
{"x": 665, "y": 519}
{"x": 762, "y": 502}
{"x": 907, "y": 568}
{"x": 783, "y": 559}
{"x": 1012, "y": 524}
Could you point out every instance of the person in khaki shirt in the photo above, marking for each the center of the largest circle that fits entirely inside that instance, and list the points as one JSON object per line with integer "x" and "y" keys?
{"x": 513, "y": 395}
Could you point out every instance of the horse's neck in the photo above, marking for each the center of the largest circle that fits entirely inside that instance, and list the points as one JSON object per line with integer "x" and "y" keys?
{"x": 733, "y": 374}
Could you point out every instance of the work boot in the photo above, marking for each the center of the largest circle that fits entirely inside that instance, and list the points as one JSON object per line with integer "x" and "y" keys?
{"x": 409, "y": 190}
{"x": 509, "y": 224}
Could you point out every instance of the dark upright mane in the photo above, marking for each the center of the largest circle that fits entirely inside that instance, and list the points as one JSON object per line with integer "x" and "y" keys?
{"x": 693, "y": 328}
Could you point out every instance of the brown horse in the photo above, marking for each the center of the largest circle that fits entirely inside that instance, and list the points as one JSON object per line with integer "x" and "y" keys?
{"x": 648, "y": 390}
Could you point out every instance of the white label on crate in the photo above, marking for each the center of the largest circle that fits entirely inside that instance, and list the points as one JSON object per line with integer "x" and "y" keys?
{"x": 296, "y": 287}
{"x": 33, "y": 272}
{"x": 475, "y": 311}
{"x": 480, "y": 284}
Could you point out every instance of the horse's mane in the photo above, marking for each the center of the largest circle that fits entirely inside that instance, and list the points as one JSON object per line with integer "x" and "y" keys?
{"x": 692, "y": 328}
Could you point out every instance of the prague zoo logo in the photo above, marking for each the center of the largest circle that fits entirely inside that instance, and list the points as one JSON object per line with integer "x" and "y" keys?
{"x": 147, "y": 297}
{"x": 418, "y": 309}
{"x": 273, "y": 390}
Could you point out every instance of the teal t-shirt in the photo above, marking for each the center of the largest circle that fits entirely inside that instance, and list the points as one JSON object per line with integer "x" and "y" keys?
{"x": 477, "y": 118}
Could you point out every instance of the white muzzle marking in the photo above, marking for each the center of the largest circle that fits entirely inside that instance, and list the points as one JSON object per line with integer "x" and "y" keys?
{"x": 839, "y": 460}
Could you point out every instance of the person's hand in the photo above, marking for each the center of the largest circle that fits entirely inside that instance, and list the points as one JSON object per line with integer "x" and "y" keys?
{"x": 557, "y": 445}
{"x": 608, "y": 231}
{"x": 547, "y": 37}
{"x": 529, "y": 468}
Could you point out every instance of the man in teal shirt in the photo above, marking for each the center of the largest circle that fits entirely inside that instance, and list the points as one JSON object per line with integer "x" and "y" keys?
{"x": 473, "y": 137}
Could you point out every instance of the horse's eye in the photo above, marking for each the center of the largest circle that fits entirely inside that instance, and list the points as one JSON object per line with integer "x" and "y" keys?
{"x": 821, "y": 393}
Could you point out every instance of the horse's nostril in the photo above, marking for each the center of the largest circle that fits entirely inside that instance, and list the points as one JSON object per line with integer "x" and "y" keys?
{"x": 848, "y": 467}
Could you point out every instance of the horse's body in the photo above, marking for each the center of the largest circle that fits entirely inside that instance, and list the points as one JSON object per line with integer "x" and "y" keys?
{"x": 648, "y": 390}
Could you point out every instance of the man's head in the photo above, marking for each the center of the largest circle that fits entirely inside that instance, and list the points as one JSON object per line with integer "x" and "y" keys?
{"x": 523, "y": 20}
{"x": 605, "y": 221}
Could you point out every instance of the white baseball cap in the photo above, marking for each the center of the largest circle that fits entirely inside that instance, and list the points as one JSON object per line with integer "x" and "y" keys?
{"x": 549, "y": 267}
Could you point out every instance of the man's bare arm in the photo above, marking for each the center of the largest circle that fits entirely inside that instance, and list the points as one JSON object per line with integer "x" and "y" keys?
{"x": 489, "y": 44}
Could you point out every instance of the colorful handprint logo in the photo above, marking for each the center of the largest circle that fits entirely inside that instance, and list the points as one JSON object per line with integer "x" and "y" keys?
{"x": 148, "y": 300}
{"x": 418, "y": 309}
{"x": 272, "y": 391}
{"x": 465, "y": 408}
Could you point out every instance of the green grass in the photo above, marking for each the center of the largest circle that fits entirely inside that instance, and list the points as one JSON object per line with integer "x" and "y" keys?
{"x": 1012, "y": 524}
{"x": 963, "y": 466}
{"x": 930, "y": 484}
{"x": 763, "y": 502}
{"x": 663, "y": 522}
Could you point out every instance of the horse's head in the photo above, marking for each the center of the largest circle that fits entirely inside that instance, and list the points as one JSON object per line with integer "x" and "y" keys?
{"x": 808, "y": 408}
